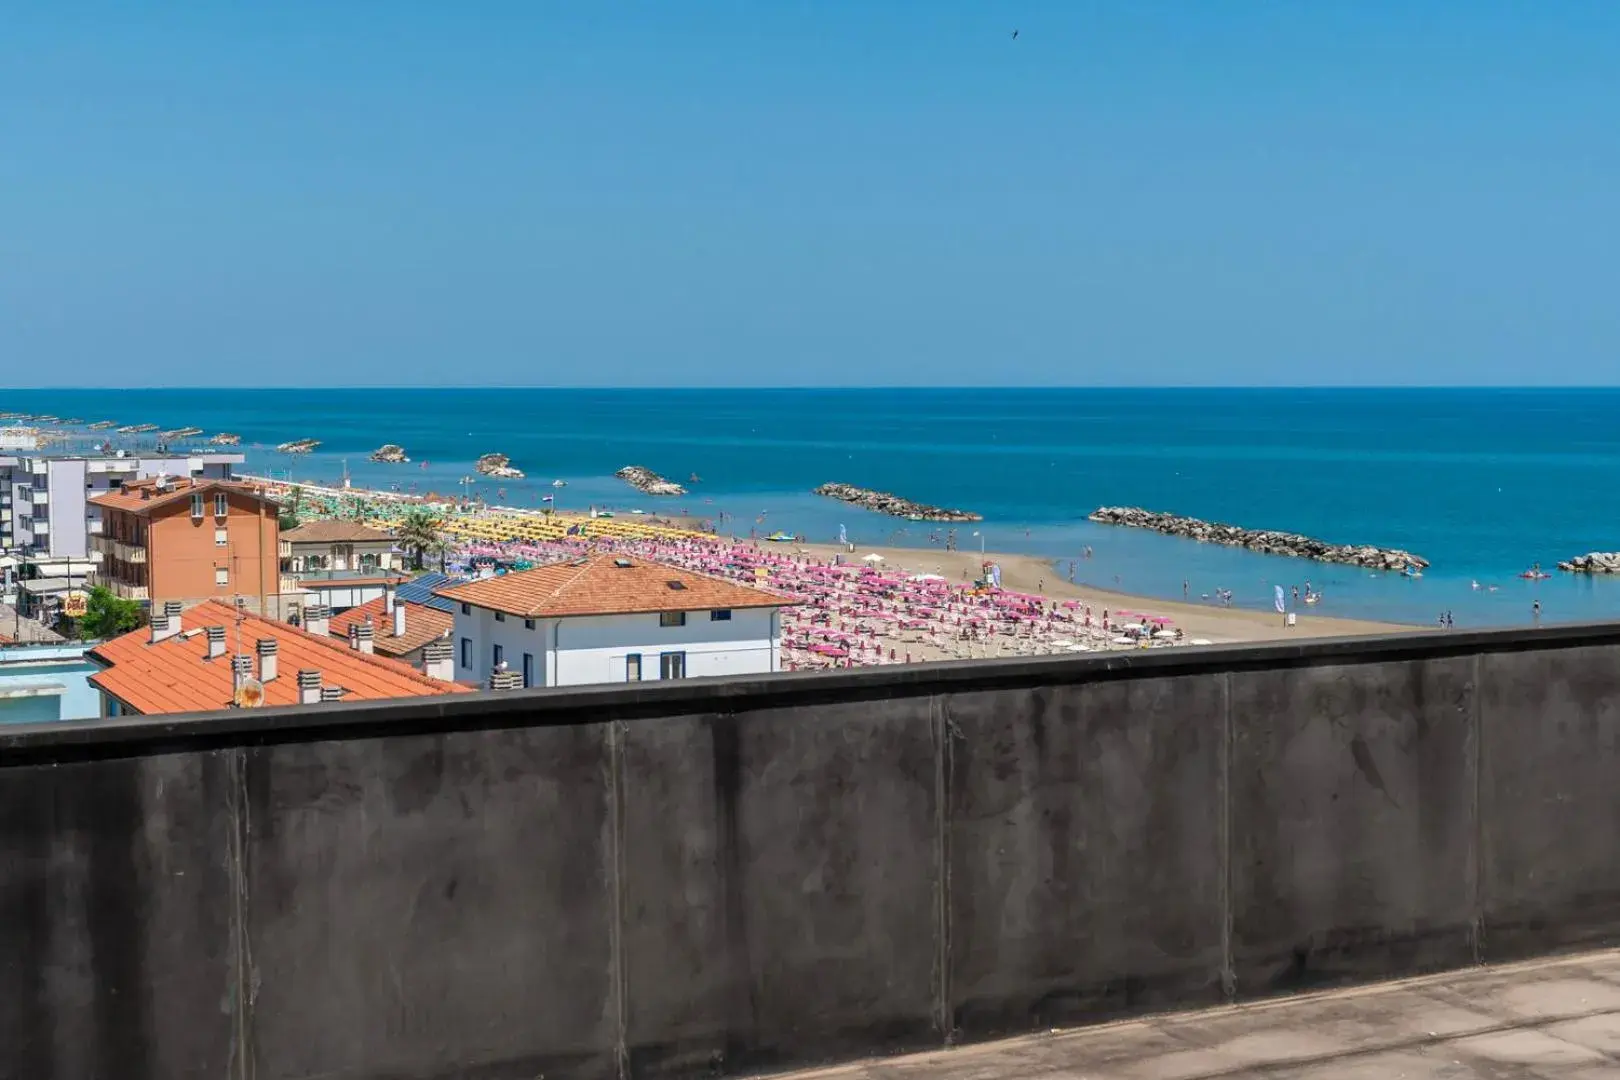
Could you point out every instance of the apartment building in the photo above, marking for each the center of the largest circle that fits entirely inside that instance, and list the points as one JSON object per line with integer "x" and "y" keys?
{"x": 189, "y": 540}
{"x": 46, "y": 499}
{"x": 605, "y": 618}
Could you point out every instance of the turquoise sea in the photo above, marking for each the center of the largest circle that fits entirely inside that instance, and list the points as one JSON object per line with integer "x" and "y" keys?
{"x": 1481, "y": 482}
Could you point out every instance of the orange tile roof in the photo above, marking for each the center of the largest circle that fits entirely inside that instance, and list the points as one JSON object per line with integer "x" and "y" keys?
{"x": 175, "y": 676}
{"x": 422, "y": 625}
{"x": 129, "y": 496}
{"x": 600, "y": 585}
{"x": 334, "y": 532}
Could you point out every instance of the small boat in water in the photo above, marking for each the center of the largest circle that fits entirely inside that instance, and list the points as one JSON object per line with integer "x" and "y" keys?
{"x": 559, "y": 483}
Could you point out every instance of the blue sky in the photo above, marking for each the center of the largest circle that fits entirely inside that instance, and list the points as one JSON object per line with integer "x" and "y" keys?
{"x": 791, "y": 193}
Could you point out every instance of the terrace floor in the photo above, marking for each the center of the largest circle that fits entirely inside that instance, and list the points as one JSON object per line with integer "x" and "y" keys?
{"x": 1557, "y": 1018}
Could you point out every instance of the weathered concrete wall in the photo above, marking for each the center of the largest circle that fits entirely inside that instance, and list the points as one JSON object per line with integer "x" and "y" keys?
{"x": 725, "y": 876}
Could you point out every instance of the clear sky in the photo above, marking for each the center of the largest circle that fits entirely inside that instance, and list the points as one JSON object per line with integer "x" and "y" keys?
{"x": 793, "y": 193}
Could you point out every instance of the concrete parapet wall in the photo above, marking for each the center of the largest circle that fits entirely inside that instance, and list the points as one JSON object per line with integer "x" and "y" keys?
{"x": 726, "y": 876}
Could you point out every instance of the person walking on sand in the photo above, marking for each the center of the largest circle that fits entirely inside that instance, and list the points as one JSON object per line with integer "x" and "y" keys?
{"x": 1186, "y": 588}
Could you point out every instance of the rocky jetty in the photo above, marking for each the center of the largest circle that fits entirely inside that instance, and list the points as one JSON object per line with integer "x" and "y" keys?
{"x": 882, "y": 502}
{"x": 648, "y": 482}
{"x": 137, "y": 429}
{"x": 1598, "y": 562}
{"x": 183, "y": 433}
{"x": 298, "y": 446}
{"x": 390, "y": 454}
{"x": 1262, "y": 540}
{"x": 103, "y": 425}
{"x": 226, "y": 438}
{"x": 499, "y": 466}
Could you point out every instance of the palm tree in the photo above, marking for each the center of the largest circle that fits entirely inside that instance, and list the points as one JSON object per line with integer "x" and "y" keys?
{"x": 419, "y": 534}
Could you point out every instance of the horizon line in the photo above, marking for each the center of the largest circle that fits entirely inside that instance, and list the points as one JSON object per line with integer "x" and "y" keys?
{"x": 790, "y": 389}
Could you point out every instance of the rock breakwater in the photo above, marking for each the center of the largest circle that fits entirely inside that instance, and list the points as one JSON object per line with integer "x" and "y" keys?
{"x": 648, "y": 482}
{"x": 391, "y": 454}
{"x": 1262, "y": 540}
{"x": 1597, "y": 562}
{"x": 882, "y": 502}
{"x": 299, "y": 446}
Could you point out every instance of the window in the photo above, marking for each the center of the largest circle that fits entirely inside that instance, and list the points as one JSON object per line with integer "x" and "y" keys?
{"x": 466, "y": 652}
{"x": 720, "y": 615}
{"x": 222, "y": 576}
{"x": 672, "y": 618}
{"x": 221, "y": 506}
{"x": 196, "y": 506}
{"x": 528, "y": 624}
{"x": 500, "y": 655}
{"x": 221, "y": 537}
{"x": 632, "y": 668}
{"x": 672, "y": 665}
{"x": 500, "y": 616}
{"x": 528, "y": 669}
{"x": 466, "y": 609}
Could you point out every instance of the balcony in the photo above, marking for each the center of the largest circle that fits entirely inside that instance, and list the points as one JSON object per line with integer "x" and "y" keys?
{"x": 106, "y": 545}
{"x": 128, "y": 592}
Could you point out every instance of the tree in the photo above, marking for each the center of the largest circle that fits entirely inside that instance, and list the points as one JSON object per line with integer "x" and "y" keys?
{"x": 289, "y": 518}
{"x": 107, "y": 615}
{"x": 419, "y": 534}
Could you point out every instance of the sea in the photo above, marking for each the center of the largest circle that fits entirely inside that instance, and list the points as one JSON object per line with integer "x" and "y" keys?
{"x": 1484, "y": 483}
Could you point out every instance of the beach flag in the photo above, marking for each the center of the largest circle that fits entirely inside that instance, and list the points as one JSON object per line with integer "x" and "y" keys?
{"x": 1281, "y": 601}
{"x": 545, "y": 498}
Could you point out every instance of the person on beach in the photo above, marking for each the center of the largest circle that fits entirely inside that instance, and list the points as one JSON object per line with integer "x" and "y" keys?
{"x": 1535, "y": 612}
{"x": 1186, "y": 588}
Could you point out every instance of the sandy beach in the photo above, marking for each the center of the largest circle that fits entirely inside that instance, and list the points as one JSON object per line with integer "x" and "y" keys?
{"x": 1032, "y": 574}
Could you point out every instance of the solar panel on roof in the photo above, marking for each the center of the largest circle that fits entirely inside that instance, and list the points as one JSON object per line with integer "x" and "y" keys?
{"x": 420, "y": 591}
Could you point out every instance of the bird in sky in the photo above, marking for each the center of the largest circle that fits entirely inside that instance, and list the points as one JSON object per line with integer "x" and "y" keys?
{"x": 1015, "y": 35}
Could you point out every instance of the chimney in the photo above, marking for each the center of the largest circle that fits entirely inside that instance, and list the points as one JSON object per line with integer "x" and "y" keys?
{"x": 390, "y": 602}
{"x": 266, "y": 648}
{"x": 505, "y": 680}
{"x": 309, "y": 687}
{"x": 437, "y": 661}
{"x": 171, "y": 608}
{"x": 317, "y": 619}
{"x": 216, "y": 641}
{"x": 164, "y": 627}
{"x": 399, "y": 619}
{"x": 241, "y": 670}
{"x": 331, "y": 693}
{"x": 362, "y": 637}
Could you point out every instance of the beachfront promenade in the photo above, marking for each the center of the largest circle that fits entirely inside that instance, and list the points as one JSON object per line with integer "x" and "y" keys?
{"x": 726, "y": 877}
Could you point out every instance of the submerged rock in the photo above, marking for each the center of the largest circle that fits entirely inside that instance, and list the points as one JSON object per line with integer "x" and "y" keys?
{"x": 299, "y": 446}
{"x": 1262, "y": 540}
{"x": 1597, "y": 562}
{"x": 390, "y": 453}
{"x": 882, "y": 502}
{"x": 648, "y": 482}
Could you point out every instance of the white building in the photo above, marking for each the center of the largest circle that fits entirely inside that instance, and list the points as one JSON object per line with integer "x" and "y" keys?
{"x": 605, "y": 619}
{"x": 44, "y": 508}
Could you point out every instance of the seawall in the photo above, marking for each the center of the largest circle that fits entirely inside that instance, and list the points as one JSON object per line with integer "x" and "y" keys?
{"x": 720, "y": 877}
